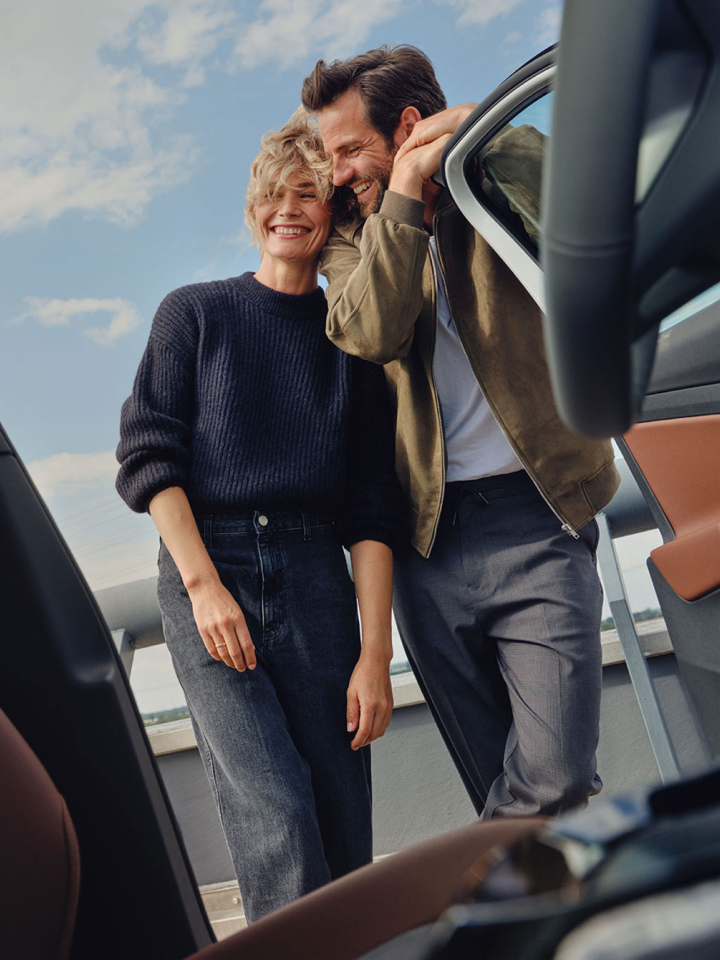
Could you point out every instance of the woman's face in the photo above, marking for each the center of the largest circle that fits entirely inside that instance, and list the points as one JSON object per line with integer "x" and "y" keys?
{"x": 295, "y": 224}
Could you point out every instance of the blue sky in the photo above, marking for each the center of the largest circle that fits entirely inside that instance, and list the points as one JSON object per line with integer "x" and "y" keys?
{"x": 125, "y": 150}
{"x": 125, "y": 154}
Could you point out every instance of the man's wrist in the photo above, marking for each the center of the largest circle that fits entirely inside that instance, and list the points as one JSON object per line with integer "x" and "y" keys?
{"x": 404, "y": 210}
{"x": 405, "y": 179}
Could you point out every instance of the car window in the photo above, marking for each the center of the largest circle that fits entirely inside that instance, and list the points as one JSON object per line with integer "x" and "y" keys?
{"x": 694, "y": 309}
{"x": 511, "y": 163}
{"x": 688, "y": 347}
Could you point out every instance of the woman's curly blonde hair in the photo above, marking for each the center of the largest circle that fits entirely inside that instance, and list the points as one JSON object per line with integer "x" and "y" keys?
{"x": 294, "y": 149}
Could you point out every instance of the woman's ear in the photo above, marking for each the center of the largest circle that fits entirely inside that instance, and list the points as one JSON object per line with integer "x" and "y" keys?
{"x": 408, "y": 118}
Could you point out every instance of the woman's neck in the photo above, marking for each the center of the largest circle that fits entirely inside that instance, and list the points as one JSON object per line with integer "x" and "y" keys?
{"x": 287, "y": 276}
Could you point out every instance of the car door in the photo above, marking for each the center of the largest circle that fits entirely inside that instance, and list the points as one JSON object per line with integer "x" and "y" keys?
{"x": 63, "y": 688}
{"x": 619, "y": 246}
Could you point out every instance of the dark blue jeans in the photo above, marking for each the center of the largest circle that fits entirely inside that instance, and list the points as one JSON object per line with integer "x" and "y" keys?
{"x": 293, "y": 798}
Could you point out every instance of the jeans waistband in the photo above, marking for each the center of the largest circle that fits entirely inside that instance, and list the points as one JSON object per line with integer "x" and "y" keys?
{"x": 486, "y": 488}
{"x": 251, "y": 523}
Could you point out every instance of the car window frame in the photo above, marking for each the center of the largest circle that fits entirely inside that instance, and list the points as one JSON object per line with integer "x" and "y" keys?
{"x": 480, "y": 215}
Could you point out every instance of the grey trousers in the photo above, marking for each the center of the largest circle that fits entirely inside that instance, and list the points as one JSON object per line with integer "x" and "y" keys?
{"x": 501, "y": 626}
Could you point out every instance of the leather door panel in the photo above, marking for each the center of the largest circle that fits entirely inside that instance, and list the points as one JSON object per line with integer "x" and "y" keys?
{"x": 680, "y": 460}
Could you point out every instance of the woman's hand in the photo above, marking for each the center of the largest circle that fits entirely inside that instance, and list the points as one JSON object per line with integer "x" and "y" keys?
{"x": 369, "y": 693}
{"x": 219, "y": 619}
{"x": 369, "y": 700}
{"x": 221, "y": 624}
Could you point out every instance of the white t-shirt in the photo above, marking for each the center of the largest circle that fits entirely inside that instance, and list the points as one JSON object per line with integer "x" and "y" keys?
{"x": 475, "y": 444}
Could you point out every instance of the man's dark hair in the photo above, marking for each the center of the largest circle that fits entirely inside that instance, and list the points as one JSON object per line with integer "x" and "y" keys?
{"x": 388, "y": 79}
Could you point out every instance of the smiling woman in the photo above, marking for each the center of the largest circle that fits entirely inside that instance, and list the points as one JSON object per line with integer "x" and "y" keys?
{"x": 258, "y": 449}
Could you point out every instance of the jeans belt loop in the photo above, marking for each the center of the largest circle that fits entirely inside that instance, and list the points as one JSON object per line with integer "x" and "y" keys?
{"x": 207, "y": 532}
{"x": 307, "y": 535}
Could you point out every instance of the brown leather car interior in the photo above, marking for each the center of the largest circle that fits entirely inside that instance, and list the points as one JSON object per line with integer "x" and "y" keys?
{"x": 40, "y": 862}
{"x": 680, "y": 459}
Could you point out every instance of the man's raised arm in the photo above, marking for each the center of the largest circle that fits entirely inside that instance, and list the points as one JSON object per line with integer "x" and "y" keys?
{"x": 374, "y": 274}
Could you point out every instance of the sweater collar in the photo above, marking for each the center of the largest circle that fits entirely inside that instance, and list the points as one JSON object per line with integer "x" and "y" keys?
{"x": 311, "y": 306}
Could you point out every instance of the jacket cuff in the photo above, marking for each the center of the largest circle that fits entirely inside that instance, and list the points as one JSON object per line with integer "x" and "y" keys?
{"x": 396, "y": 206}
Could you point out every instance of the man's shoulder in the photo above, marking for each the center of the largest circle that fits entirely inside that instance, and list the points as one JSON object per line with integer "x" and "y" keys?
{"x": 349, "y": 229}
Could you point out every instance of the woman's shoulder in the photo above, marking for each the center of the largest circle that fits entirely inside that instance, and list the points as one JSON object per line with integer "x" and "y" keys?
{"x": 194, "y": 296}
{"x": 190, "y": 308}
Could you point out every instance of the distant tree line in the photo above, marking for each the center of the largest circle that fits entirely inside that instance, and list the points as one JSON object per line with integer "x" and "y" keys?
{"x": 649, "y": 613}
{"x": 165, "y": 716}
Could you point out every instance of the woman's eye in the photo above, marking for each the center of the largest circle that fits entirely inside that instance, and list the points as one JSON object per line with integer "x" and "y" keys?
{"x": 308, "y": 196}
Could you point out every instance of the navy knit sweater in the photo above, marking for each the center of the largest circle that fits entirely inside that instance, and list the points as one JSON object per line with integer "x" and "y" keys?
{"x": 241, "y": 400}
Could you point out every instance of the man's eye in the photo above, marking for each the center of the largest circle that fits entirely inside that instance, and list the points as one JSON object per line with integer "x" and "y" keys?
{"x": 353, "y": 151}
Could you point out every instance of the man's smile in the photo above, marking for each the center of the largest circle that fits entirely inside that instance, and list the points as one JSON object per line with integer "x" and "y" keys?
{"x": 359, "y": 188}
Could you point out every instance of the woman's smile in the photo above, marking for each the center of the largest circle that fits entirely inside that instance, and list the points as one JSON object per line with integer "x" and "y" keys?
{"x": 293, "y": 223}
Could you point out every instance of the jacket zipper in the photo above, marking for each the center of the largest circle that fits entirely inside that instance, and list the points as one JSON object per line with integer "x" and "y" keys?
{"x": 438, "y": 407}
{"x": 564, "y": 525}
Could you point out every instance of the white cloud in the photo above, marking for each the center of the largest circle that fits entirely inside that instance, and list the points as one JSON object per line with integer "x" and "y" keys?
{"x": 481, "y": 11}
{"x": 79, "y": 106}
{"x": 60, "y": 313}
{"x": 548, "y": 25}
{"x": 110, "y": 543}
{"x": 189, "y": 34}
{"x": 287, "y": 31}
{"x": 72, "y": 473}
{"x": 82, "y": 112}
{"x": 243, "y": 238}
{"x": 207, "y": 272}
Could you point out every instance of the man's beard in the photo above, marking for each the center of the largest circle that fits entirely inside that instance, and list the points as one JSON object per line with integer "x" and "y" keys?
{"x": 380, "y": 176}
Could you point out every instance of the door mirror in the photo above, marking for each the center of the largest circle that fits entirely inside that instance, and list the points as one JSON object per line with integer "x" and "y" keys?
{"x": 632, "y": 196}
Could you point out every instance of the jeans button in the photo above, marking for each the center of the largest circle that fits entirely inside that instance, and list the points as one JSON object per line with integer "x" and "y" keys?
{"x": 263, "y": 520}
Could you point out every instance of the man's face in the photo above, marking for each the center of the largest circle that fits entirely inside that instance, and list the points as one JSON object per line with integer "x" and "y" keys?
{"x": 362, "y": 160}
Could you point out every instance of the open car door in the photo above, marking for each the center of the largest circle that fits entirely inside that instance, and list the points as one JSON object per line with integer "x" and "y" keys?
{"x": 64, "y": 689}
{"x": 595, "y": 175}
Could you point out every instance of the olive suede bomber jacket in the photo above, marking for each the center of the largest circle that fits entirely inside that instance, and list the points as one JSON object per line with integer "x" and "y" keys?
{"x": 381, "y": 306}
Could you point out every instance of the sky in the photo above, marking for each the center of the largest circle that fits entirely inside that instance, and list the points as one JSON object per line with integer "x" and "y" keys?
{"x": 127, "y": 132}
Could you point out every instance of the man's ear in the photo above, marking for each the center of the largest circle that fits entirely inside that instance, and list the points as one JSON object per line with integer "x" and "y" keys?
{"x": 408, "y": 118}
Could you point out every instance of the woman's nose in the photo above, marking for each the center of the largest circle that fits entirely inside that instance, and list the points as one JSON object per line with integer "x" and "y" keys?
{"x": 289, "y": 205}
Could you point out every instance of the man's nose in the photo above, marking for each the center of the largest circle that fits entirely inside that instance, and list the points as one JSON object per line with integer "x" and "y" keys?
{"x": 342, "y": 172}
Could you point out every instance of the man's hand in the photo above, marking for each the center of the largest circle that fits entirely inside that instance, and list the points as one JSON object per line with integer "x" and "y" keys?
{"x": 221, "y": 624}
{"x": 442, "y": 124}
{"x": 416, "y": 166}
{"x": 369, "y": 701}
{"x": 418, "y": 158}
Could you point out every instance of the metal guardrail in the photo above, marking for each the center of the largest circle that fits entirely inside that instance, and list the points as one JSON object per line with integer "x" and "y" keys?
{"x": 132, "y": 613}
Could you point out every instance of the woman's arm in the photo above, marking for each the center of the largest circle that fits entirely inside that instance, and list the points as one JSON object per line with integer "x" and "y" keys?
{"x": 369, "y": 694}
{"x": 219, "y": 619}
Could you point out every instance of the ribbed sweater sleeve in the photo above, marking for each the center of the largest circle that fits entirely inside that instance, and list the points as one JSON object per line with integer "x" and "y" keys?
{"x": 375, "y": 507}
{"x": 155, "y": 423}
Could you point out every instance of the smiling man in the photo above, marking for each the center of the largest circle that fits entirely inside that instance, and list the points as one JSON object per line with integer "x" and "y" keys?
{"x": 499, "y": 604}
